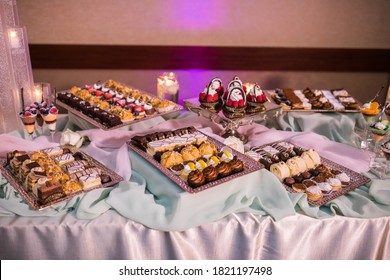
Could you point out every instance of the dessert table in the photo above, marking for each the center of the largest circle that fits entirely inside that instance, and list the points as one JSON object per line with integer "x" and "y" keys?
{"x": 147, "y": 216}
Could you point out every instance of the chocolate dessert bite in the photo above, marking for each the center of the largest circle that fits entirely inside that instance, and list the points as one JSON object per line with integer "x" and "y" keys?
{"x": 283, "y": 156}
{"x": 105, "y": 178}
{"x": 298, "y": 178}
{"x": 196, "y": 178}
{"x": 314, "y": 172}
{"x": 306, "y": 175}
{"x": 289, "y": 181}
{"x": 267, "y": 162}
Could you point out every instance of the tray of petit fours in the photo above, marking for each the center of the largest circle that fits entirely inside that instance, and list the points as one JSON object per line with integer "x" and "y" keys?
{"x": 53, "y": 175}
{"x": 309, "y": 100}
{"x": 191, "y": 159}
{"x": 305, "y": 171}
{"x": 111, "y": 104}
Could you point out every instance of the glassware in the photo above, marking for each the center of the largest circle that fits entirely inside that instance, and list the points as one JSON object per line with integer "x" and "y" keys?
{"x": 168, "y": 87}
{"x": 385, "y": 148}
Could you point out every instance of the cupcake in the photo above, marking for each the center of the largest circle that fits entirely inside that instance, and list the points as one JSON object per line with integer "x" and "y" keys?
{"x": 177, "y": 168}
{"x": 190, "y": 166}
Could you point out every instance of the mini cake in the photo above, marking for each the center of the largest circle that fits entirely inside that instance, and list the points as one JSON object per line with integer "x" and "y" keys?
{"x": 293, "y": 166}
{"x": 309, "y": 183}
{"x": 49, "y": 192}
{"x": 54, "y": 151}
{"x": 335, "y": 183}
{"x": 289, "y": 181}
{"x": 314, "y": 193}
{"x": 190, "y": 166}
{"x": 89, "y": 181}
{"x": 63, "y": 159}
{"x": 280, "y": 170}
{"x": 211, "y": 97}
{"x": 255, "y": 98}
{"x": 235, "y": 105}
{"x": 325, "y": 188}
{"x": 226, "y": 154}
{"x": 214, "y": 161}
{"x": 344, "y": 178}
{"x": 177, "y": 168}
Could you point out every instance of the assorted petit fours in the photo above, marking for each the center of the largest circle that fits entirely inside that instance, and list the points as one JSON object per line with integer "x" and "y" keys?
{"x": 299, "y": 169}
{"x": 53, "y": 173}
{"x": 190, "y": 155}
{"x": 113, "y": 103}
{"x": 308, "y": 99}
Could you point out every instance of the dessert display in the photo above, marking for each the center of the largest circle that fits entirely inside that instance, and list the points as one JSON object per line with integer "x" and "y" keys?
{"x": 315, "y": 100}
{"x": 112, "y": 104}
{"x": 370, "y": 111}
{"x": 52, "y": 175}
{"x": 235, "y": 101}
{"x": 191, "y": 159}
{"x": 305, "y": 171}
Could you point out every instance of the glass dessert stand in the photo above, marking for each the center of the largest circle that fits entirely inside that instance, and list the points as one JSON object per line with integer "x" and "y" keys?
{"x": 231, "y": 125}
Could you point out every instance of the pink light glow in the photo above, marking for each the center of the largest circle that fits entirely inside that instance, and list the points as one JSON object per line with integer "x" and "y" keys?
{"x": 198, "y": 15}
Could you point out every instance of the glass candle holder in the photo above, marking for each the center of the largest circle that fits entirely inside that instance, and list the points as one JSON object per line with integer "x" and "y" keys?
{"x": 168, "y": 86}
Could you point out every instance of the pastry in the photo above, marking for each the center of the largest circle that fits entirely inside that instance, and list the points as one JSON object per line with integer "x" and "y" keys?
{"x": 226, "y": 154}
{"x": 344, "y": 178}
{"x": 223, "y": 169}
{"x": 201, "y": 164}
{"x": 188, "y": 167}
{"x": 299, "y": 187}
{"x": 314, "y": 193}
{"x": 309, "y": 183}
{"x": 63, "y": 159}
{"x": 189, "y": 153}
{"x": 210, "y": 173}
{"x": 335, "y": 183}
{"x": 207, "y": 149}
{"x": 89, "y": 181}
{"x": 306, "y": 175}
{"x": 236, "y": 164}
{"x": 171, "y": 158}
{"x": 293, "y": 166}
{"x": 322, "y": 168}
{"x": 54, "y": 151}
{"x": 214, "y": 161}
{"x": 177, "y": 168}
{"x": 280, "y": 170}
{"x": 196, "y": 178}
{"x": 298, "y": 178}
{"x": 49, "y": 192}
{"x": 325, "y": 188}
{"x": 289, "y": 181}
{"x": 267, "y": 162}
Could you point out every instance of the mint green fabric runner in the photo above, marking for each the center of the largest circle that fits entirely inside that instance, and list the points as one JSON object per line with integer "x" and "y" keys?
{"x": 338, "y": 127}
{"x": 150, "y": 198}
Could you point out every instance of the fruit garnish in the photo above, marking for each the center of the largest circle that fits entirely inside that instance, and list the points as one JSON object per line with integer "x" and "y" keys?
{"x": 27, "y": 114}
{"x": 53, "y": 110}
{"x": 374, "y": 105}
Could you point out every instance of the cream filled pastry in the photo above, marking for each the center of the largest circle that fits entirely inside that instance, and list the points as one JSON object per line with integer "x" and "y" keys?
{"x": 280, "y": 170}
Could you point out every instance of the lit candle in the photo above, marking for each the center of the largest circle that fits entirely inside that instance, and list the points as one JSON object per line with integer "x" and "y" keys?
{"x": 38, "y": 92}
{"x": 14, "y": 39}
{"x": 167, "y": 84}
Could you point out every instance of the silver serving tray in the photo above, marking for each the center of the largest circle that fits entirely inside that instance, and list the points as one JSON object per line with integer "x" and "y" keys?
{"x": 357, "y": 180}
{"x": 250, "y": 165}
{"x": 31, "y": 199}
{"x": 102, "y": 126}
{"x": 270, "y": 92}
